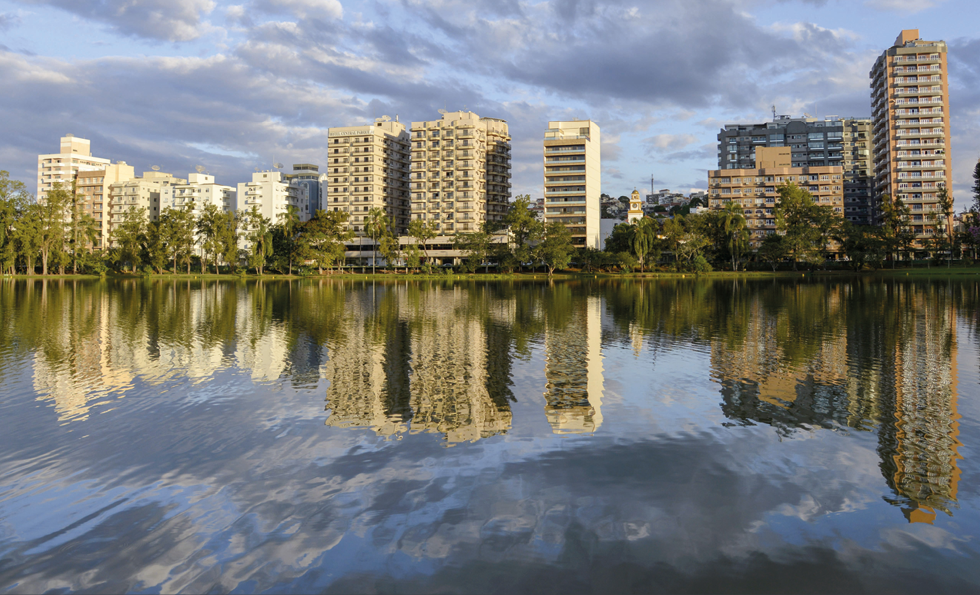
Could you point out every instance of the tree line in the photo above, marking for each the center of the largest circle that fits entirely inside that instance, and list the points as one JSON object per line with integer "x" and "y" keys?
{"x": 57, "y": 235}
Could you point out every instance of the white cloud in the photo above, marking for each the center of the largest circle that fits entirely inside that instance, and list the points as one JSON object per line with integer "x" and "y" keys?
{"x": 910, "y": 6}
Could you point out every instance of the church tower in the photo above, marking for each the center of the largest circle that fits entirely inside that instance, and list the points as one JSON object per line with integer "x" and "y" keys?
{"x": 636, "y": 208}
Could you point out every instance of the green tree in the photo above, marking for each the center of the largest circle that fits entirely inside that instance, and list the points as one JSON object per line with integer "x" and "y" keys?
{"x": 13, "y": 198}
{"x": 804, "y": 224}
{"x": 258, "y": 234}
{"x": 323, "y": 239}
{"x": 422, "y": 231}
{"x": 944, "y": 221}
{"x": 52, "y": 224}
{"x": 736, "y": 231}
{"x": 557, "y": 247}
{"x": 773, "y": 250}
{"x": 621, "y": 238}
{"x": 209, "y": 231}
{"x": 228, "y": 224}
{"x": 626, "y": 261}
{"x": 643, "y": 240}
{"x": 475, "y": 248}
{"x": 526, "y": 229}
{"x": 285, "y": 245}
{"x": 129, "y": 235}
{"x": 378, "y": 227}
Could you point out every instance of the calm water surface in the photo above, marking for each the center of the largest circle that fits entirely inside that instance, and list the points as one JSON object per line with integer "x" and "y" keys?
{"x": 677, "y": 436}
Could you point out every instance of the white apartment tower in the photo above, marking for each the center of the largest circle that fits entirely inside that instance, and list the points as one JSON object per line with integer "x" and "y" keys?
{"x": 307, "y": 174}
{"x": 199, "y": 190}
{"x": 272, "y": 196}
{"x": 910, "y": 108}
{"x": 75, "y": 156}
{"x": 460, "y": 171}
{"x": 367, "y": 168}
{"x": 572, "y": 179}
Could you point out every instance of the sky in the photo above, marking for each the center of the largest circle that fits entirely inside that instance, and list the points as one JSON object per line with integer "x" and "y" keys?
{"x": 235, "y": 86}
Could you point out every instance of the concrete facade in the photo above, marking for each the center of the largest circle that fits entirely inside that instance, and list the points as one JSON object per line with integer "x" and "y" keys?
{"x": 272, "y": 195}
{"x": 572, "y": 178}
{"x": 75, "y": 155}
{"x": 93, "y": 193}
{"x": 308, "y": 175}
{"x": 142, "y": 193}
{"x": 756, "y": 189}
{"x": 367, "y": 168}
{"x": 910, "y": 108}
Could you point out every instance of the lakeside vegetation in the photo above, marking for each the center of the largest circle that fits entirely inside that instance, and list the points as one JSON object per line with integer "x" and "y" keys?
{"x": 56, "y": 236}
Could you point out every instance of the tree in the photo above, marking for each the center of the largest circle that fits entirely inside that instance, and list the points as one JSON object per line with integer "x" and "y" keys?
{"x": 475, "y": 248}
{"x": 377, "y": 225}
{"x": 51, "y": 228}
{"x": 526, "y": 229}
{"x": 946, "y": 222}
{"x": 421, "y": 231}
{"x": 557, "y": 247}
{"x": 285, "y": 246}
{"x": 804, "y": 224}
{"x": 323, "y": 239}
{"x": 863, "y": 245}
{"x": 258, "y": 234}
{"x": 643, "y": 240}
{"x": 773, "y": 250}
{"x": 736, "y": 231}
{"x": 13, "y": 197}
{"x": 129, "y": 236}
{"x": 620, "y": 239}
{"x": 177, "y": 230}
{"x": 976, "y": 191}
{"x": 626, "y": 261}
{"x": 228, "y": 224}
{"x": 209, "y": 231}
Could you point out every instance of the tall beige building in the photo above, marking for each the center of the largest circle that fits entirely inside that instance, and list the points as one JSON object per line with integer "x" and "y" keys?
{"x": 367, "y": 167}
{"x": 910, "y": 108}
{"x": 572, "y": 179}
{"x": 74, "y": 156}
{"x": 460, "y": 171}
{"x": 93, "y": 191}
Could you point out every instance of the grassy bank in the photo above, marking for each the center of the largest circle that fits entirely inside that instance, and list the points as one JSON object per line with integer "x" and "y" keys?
{"x": 916, "y": 272}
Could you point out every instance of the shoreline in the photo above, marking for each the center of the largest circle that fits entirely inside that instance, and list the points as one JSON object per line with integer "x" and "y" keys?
{"x": 937, "y": 271}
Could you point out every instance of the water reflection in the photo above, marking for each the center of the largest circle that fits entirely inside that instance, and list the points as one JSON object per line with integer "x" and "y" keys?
{"x": 439, "y": 358}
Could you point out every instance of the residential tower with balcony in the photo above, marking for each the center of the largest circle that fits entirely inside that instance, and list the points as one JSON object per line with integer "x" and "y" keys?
{"x": 572, "y": 179}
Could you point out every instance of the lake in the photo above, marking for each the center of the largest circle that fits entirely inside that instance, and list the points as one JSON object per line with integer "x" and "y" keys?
{"x": 604, "y": 435}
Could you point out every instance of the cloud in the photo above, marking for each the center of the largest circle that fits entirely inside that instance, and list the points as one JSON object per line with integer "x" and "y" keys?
{"x": 163, "y": 20}
{"x": 669, "y": 142}
{"x": 303, "y": 9}
{"x": 908, "y": 6}
{"x": 8, "y": 21}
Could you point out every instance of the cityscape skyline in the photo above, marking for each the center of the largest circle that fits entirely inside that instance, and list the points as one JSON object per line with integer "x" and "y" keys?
{"x": 234, "y": 87}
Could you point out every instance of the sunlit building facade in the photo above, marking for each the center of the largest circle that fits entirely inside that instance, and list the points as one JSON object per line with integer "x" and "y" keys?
{"x": 573, "y": 178}
{"x": 75, "y": 155}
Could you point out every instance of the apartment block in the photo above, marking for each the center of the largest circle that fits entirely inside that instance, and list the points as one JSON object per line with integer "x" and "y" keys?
{"x": 756, "y": 188}
{"x": 833, "y": 141}
{"x": 272, "y": 196}
{"x": 460, "y": 171}
{"x": 75, "y": 155}
{"x": 572, "y": 178}
{"x": 910, "y": 108}
{"x": 367, "y": 168}
{"x": 93, "y": 191}
{"x": 308, "y": 175}
{"x": 199, "y": 190}
{"x": 141, "y": 193}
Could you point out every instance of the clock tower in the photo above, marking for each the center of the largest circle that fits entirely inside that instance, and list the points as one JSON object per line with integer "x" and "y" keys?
{"x": 636, "y": 208}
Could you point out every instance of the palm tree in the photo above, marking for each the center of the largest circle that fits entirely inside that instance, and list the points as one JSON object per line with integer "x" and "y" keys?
{"x": 376, "y": 223}
{"x": 734, "y": 225}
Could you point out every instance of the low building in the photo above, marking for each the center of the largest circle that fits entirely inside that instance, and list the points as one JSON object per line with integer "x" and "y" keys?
{"x": 142, "y": 192}
{"x": 272, "y": 196}
{"x": 757, "y": 189}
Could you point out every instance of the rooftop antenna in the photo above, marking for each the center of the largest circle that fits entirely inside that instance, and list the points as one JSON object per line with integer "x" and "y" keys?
{"x": 199, "y": 169}
{"x": 385, "y": 118}
{"x": 278, "y": 165}
{"x": 774, "y": 112}
{"x": 443, "y": 112}
{"x": 155, "y": 168}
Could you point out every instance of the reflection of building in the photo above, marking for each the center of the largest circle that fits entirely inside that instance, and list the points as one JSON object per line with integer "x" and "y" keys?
{"x": 781, "y": 375}
{"x": 919, "y": 437}
{"x": 573, "y": 369}
{"x": 421, "y": 358}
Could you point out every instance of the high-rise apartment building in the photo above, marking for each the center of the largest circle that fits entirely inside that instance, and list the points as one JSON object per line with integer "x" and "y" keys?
{"x": 572, "y": 179}
{"x": 199, "y": 190}
{"x": 910, "y": 108}
{"x": 367, "y": 168}
{"x": 93, "y": 192}
{"x": 833, "y": 141}
{"x": 62, "y": 167}
{"x": 308, "y": 175}
{"x": 272, "y": 196}
{"x": 756, "y": 189}
{"x": 460, "y": 171}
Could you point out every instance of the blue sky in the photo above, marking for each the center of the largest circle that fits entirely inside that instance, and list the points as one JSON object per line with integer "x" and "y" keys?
{"x": 235, "y": 85}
